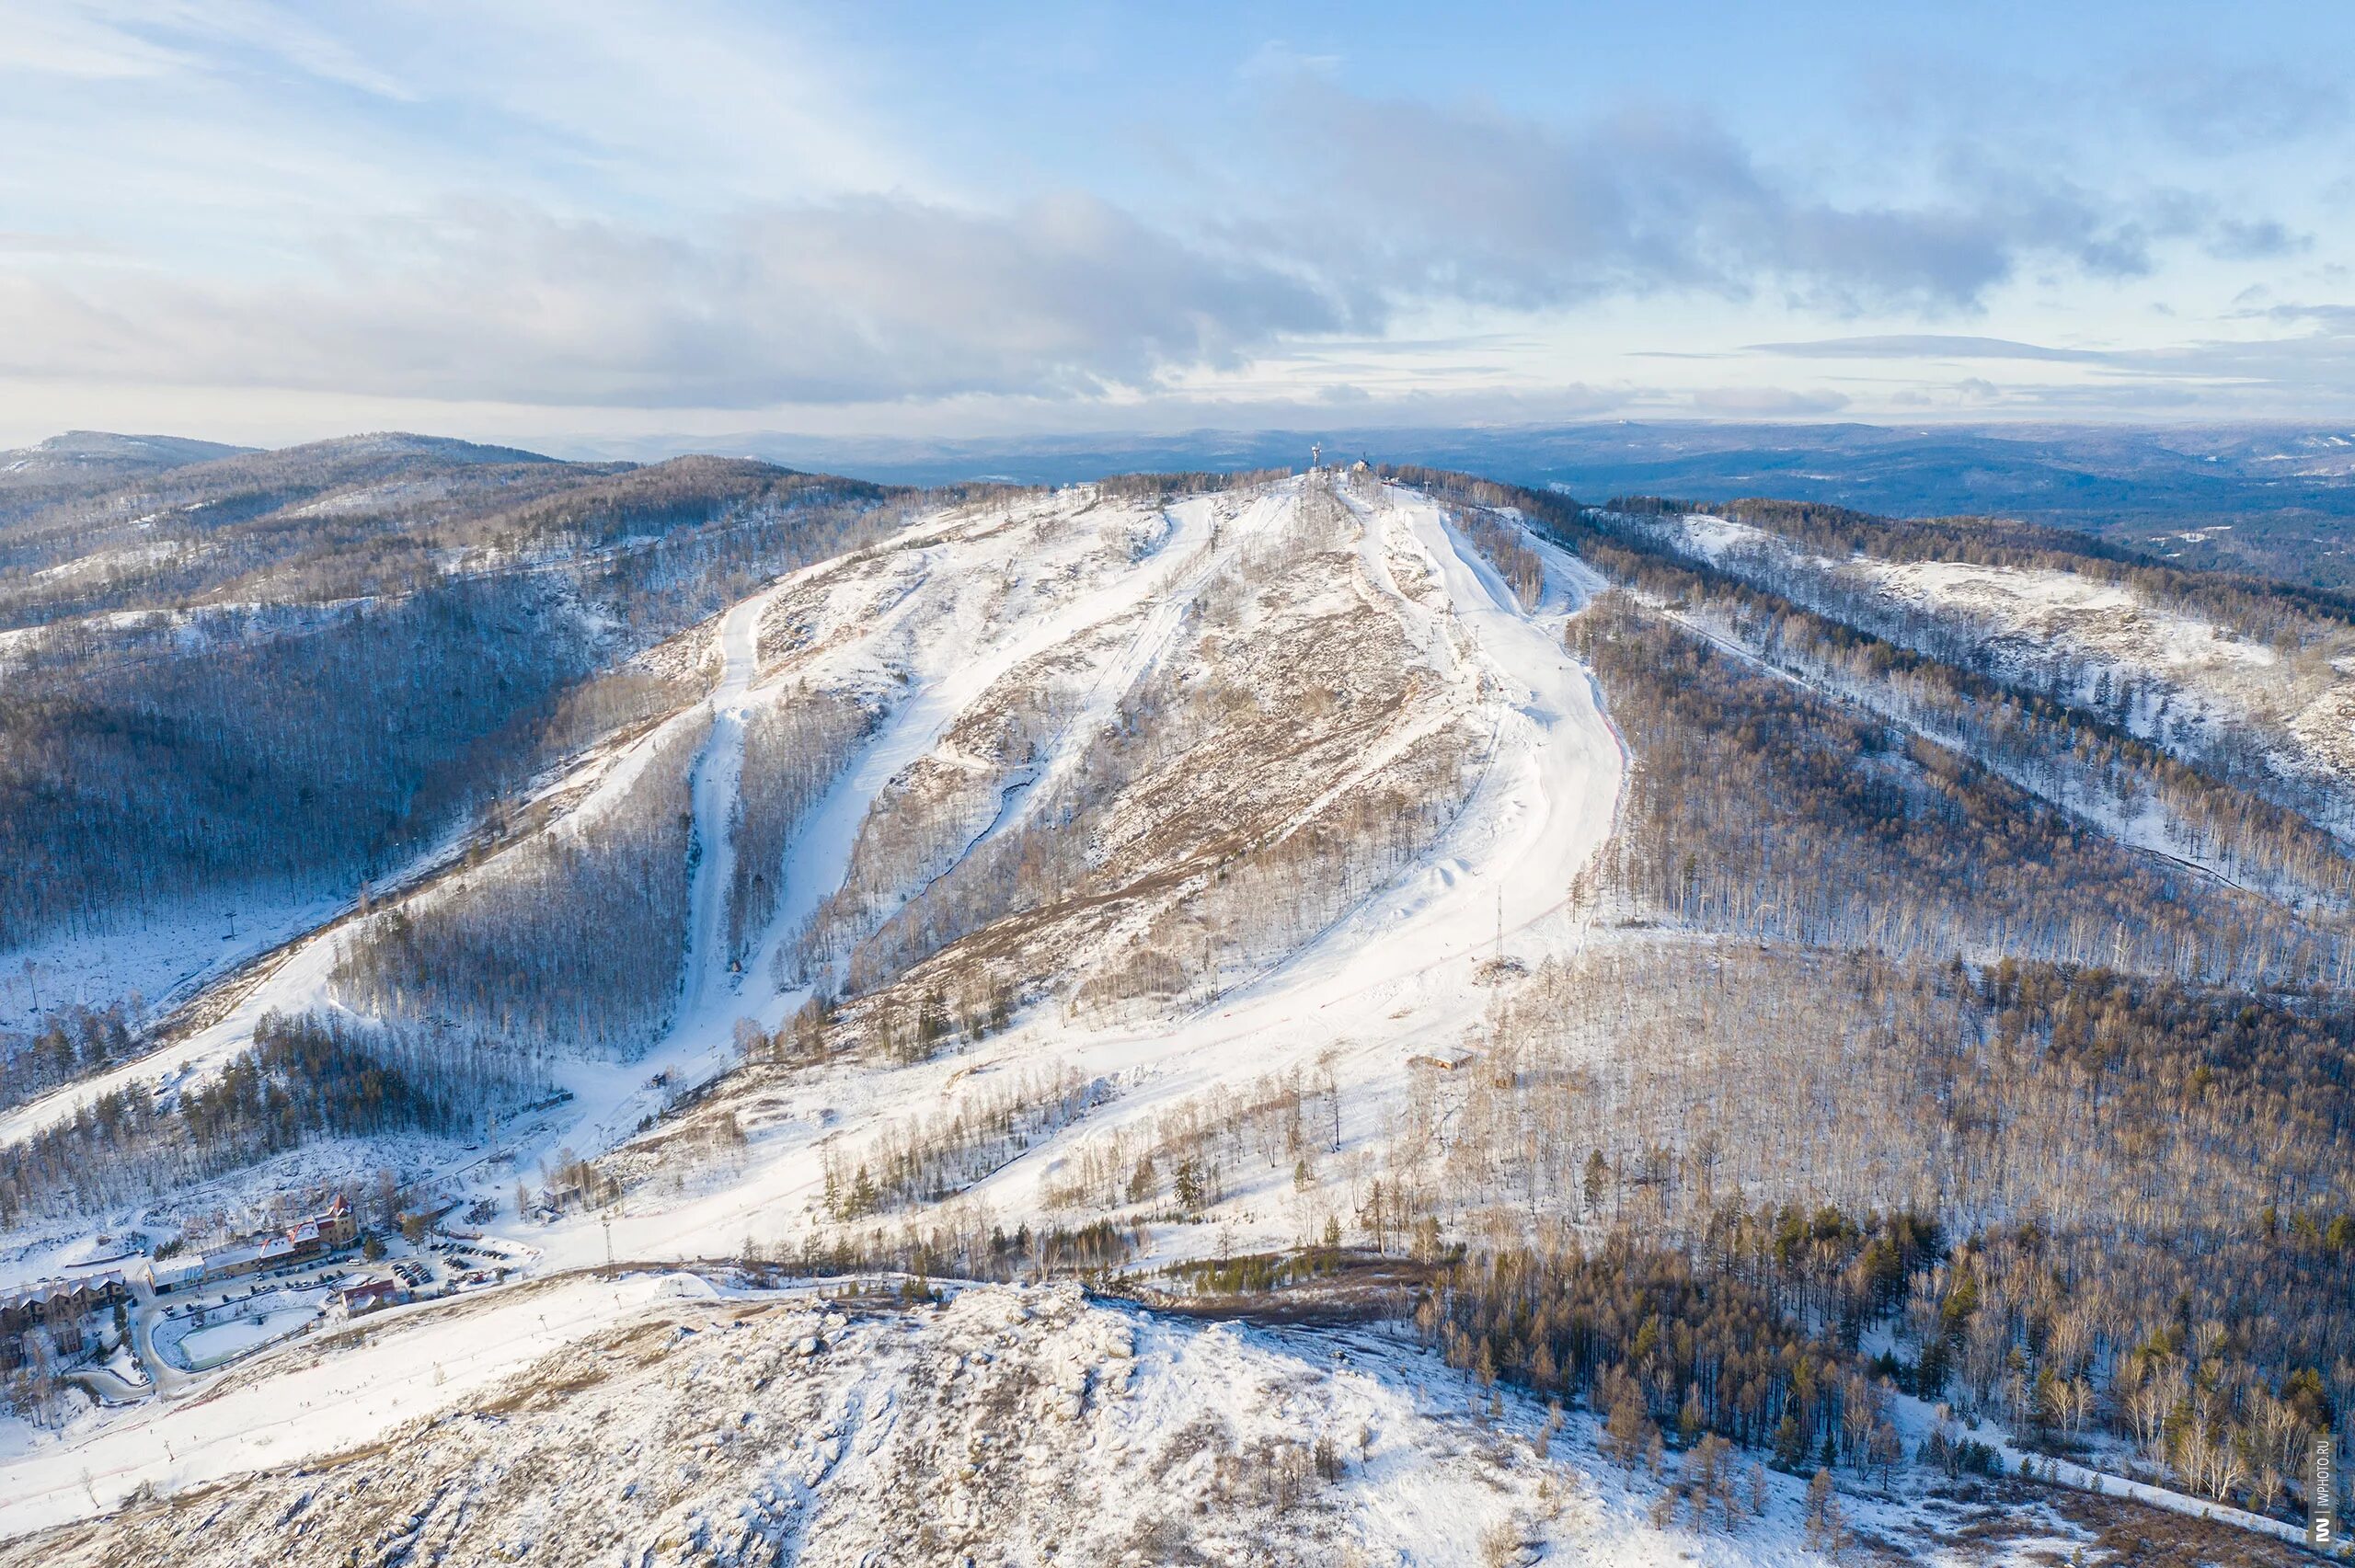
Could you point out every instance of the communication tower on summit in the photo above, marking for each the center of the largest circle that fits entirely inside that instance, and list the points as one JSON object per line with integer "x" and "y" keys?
{"x": 1316, "y": 455}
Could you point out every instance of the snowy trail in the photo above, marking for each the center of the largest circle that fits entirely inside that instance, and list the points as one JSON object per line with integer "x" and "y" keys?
{"x": 817, "y": 863}
{"x": 718, "y": 781}
{"x": 299, "y": 978}
{"x": 1540, "y": 817}
{"x": 821, "y": 853}
{"x": 1162, "y": 617}
{"x": 609, "y": 1098}
{"x": 1394, "y": 975}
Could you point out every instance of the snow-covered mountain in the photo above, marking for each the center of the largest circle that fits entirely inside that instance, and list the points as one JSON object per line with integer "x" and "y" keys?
{"x": 1547, "y": 1032}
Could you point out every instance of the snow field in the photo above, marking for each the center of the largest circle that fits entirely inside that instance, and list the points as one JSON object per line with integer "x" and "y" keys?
{"x": 1007, "y": 1426}
{"x": 1391, "y": 978}
{"x": 970, "y": 600}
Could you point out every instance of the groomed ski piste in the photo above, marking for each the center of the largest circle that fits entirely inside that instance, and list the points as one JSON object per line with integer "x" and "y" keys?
{"x": 1095, "y": 593}
{"x": 929, "y": 623}
{"x": 1389, "y": 979}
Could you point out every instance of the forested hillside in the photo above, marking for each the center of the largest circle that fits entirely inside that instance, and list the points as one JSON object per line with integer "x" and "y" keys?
{"x": 2034, "y": 1052}
{"x": 1821, "y": 1012}
{"x": 266, "y": 678}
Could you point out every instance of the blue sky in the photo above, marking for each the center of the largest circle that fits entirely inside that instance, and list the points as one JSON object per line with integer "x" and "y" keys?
{"x": 595, "y": 221}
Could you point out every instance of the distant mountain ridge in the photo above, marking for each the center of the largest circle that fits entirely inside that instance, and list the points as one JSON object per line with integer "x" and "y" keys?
{"x": 85, "y": 449}
{"x": 2278, "y": 498}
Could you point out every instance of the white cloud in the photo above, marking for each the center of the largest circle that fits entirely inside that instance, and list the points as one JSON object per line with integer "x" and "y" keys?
{"x": 709, "y": 205}
{"x": 857, "y": 300}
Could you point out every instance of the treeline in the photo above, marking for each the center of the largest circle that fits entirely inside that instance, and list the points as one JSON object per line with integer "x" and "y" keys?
{"x": 572, "y": 940}
{"x": 1643, "y": 1085}
{"x": 305, "y": 1077}
{"x": 291, "y": 747}
{"x": 2152, "y": 1180}
{"x": 1759, "y": 807}
{"x": 1502, "y": 545}
{"x": 795, "y": 748}
{"x": 2150, "y": 1184}
{"x": 683, "y": 493}
{"x": 1157, "y": 487}
{"x": 1669, "y": 1350}
{"x": 2257, "y": 730}
{"x": 2260, "y": 608}
{"x": 2054, "y": 749}
{"x": 1189, "y": 1156}
{"x": 925, "y": 1159}
{"x": 309, "y": 523}
{"x": 656, "y": 585}
{"x": 958, "y": 1241}
{"x": 74, "y": 1042}
{"x": 2242, "y": 739}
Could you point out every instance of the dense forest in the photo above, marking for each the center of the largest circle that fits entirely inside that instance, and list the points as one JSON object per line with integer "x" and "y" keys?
{"x": 1760, "y": 808}
{"x": 304, "y": 1078}
{"x": 2094, "y": 767}
{"x": 301, "y": 718}
{"x": 795, "y": 748}
{"x": 2149, "y": 1229}
{"x": 2260, "y": 607}
{"x": 73, "y": 1042}
{"x": 572, "y": 940}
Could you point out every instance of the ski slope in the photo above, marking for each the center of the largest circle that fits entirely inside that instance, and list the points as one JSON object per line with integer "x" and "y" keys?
{"x": 929, "y": 625}
{"x": 927, "y": 629}
{"x": 1395, "y": 975}
{"x": 934, "y": 633}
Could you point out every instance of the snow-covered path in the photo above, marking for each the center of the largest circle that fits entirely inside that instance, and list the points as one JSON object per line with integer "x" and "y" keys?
{"x": 1394, "y": 975}
{"x": 822, "y": 852}
{"x": 1538, "y": 817}
{"x": 718, "y": 778}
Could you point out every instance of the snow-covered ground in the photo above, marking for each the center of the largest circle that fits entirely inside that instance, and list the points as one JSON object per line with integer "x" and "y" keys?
{"x": 2084, "y": 613}
{"x": 1395, "y": 975}
{"x": 2060, "y": 611}
{"x": 230, "y": 1331}
{"x": 159, "y": 957}
{"x": 747, "y": 1426}
{"x": 2172, "y": 673}
{"x": 1095, "y": 597}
